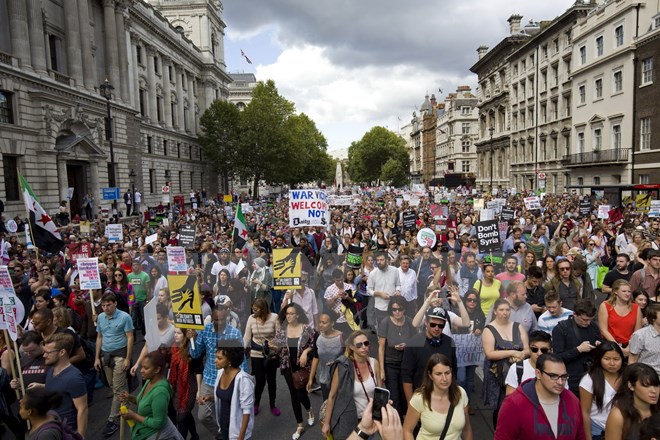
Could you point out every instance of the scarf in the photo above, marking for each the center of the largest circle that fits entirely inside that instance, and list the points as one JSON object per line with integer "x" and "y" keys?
{"x": 179, "y": 379}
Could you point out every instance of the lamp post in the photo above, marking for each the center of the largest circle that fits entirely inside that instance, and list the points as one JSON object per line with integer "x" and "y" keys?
{"x": 106, "y": 91}
{"x": 491, "y": 130}
{"x": 131, "y": 176}
{"x": 169, "y": 195}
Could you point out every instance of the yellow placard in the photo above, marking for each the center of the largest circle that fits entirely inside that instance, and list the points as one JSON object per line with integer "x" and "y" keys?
{"x": 643, "y": 202}
{"x": 85, "y": 227}
{"x": 287, "y": 268}
{"x": 186, "y": 305}
{"x": 227, "y": 198}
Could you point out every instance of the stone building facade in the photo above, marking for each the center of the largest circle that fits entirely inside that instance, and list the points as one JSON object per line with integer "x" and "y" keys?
{"x": 54, "y": 55}
{"x": 240, "y": 89}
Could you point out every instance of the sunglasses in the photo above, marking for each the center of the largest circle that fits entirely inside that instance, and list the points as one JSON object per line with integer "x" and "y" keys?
{"x": 471, "y": 300}
{"x": 544, "y": 350}
{"x": 397, "y": 309}
{"x": 434, "y": 325}
{"x": 564, "y": 269}
{"x": 361, "y": 344}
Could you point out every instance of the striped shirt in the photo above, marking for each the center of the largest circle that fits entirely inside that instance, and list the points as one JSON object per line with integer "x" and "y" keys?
{"x": 207, "y": 341}
{"x": 548, "y": 322}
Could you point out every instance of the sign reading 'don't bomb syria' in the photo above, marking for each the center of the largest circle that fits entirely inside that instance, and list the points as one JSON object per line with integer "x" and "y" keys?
{"x": 488, "y": 236}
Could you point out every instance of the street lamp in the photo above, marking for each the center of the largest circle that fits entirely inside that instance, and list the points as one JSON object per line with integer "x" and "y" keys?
{"x": 106, "y": 91}
{"x": 131, "y": 176}
{"x": 491, "y": 130}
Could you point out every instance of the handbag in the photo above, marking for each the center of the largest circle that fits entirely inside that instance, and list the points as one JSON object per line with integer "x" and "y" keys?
{"x": 270, "y": 356}
{"x": 447, "y": 422}
{"x": 602, "y": 271}
{"x": 300, "y": 378}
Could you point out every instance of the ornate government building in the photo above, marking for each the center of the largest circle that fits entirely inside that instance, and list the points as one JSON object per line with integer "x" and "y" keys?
{"x": 164, "y": 63}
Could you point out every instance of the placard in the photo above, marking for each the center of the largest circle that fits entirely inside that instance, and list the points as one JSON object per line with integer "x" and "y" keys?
{"x": 7, "y": 291}
{"x": 469, "y": 349}
{"x": 176, "y": 259}
{"x": 488, "y": 236}
{"x": 114, "y": 232}
{"x": 504, "y": 228}
{"x": 507, "y": 214}
{"x": 88, "y": 273}
{"x": 227, "y": 198}
{"x": 584, "y": 208}
{"x": 186, "y": 306}
{"x": 426, "y": 237}
{"x": 654, "y": 211}
{"x": 187, "y": 236}
{"x": 85, "y": 227}
{"x": 478, "y": 204}
{"x": 354, "y": 256}
{"x": 79, "y": 250}
{"x": 604, "y": 211}
{"x": 246, "y": 208}
{"x": 151, "y": 238}
{"x": 308, "y": 207}
{"x": 486, "y": 214}
{"x": 643, "y": 203}
{"x": 409, "y": 221}
{"x": 532, "y": 203}
{"x": 287, "y": 269}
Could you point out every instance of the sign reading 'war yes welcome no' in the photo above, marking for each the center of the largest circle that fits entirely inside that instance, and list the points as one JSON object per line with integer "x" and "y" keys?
{"x": 308, "y": 207}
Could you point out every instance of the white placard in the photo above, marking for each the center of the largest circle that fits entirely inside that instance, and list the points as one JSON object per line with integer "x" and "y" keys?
{"x": 654, "y": 210}
{"x": 151, "y": 238}
{"x": 486, "y": 214}
{"x": 114, "y": 232}
{"x": 532, "y": 203}
{"x": 88, "y": 271}
{"x": 176, "y": 259}
{"x": 308, "y": 207}
{"x": 604, "y": 211}
{"x": 246, "y": 208}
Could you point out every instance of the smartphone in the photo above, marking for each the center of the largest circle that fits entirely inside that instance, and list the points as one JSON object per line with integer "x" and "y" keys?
{"x": 442, "y": 294}
{"x": 381, "y": 398}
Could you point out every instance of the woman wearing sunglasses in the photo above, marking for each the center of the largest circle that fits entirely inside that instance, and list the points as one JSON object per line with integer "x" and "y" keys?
{"x": 353, "y": 374}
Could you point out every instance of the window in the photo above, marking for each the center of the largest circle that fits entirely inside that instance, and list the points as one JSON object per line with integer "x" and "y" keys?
{"x": 583, "y": 55}
{"x": 10, "y": 167}
{"x": 192, "y": 179}
{"x": 544, "y": 149}
{"x": 466, "y": 128}
{"x": 515, "y": 70}
{"x": 616, "y": 137}
{"x": 544, "y": 81}
{"x": 644, "y": 179}
{"x": 180, "y": 180}
{"x": 190, "y": 152}
{"x": 138, "y": 52}
{"x": 599, "y": 46}
{"x": 555, "y": 150}
{"x": 164, "y": 147}
{"x": 580, "y": 181}
{"x": 580, "y": 142}
{"x": 170, "y": 72}
{"x": 597, "y": 180}
{"x": 523, "y": 65}
{"x": 465, "y": 146}
{"x": 54, "y": 46}
{"x": 617, "y": 79}
{"x": 647, "y": 71}
{"x": 598, "y": 139}
{"x": 178, "y": 150}
{"x": 618, "y": 36}
{"x": 173, "y": 113}
{"x": 466, "y": 166}
{"x": 6, "y": 107}
{"x": 544, "y": 51}
{"x": 156, "y": 65}
{"x": 159, "y": 108}
{"x": 152, "y": 181}
{"x": 567, "y": 105}
{"x": 582, "y": 91}
{"x": 465, "y": 110}
{"x": 645, "y": 134}
{"x": 553, "y": 109}
{"x": 555, "y": 44}
{"x": 567, "y": 66}
{"x": 555, "y": 75}
{"x": 150, "y": 145}
{"x": 185, "y": 119}
{"x": 598, "y": 86}
{"x": 143, "y": 100}
{"x": 544, "y": 112}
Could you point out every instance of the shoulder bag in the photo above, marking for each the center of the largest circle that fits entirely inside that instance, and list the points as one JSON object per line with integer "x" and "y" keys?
{"x": 447, "y": 423}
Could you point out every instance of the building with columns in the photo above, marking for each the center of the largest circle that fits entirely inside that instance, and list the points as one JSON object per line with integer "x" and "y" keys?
{"x": 165, "y": 68}
{"x": 240, "y": 89}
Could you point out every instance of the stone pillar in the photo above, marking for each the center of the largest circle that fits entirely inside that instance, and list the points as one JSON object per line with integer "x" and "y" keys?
{"x": 18, "y": 31}
{"x": 167, "y": 94}
{"x": 179, "y": 96}
{"x": 62, "y": 177}
{"x": 191, "y": 106}
{"x": 151, "y": 80}
{"x": 86, "y": 37}
{"x": 209, "y": 93}
{"x": 135, "y": 79}
{"x": 37, "y": 42}
{"x": 120, "y": 15}
{"x": 111, "y": 54}
{"x": 72, "y": 27}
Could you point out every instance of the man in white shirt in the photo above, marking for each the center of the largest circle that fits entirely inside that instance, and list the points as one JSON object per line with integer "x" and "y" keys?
{"x": 554, "y": 313}
{"x": 382, "y": 284}
{"x": 521, "y": 311}
{"x": 408, "y": 280}
{"x": 137, "y": 199}
{"x": 224, "y": 262}
{"x": 539, "y": 343}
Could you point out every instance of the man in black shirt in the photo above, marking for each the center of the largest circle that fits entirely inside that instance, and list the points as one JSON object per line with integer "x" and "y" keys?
{"x": 535, "y": 291}
{"x": 422, "y": 346}
{"x": 620, "y": 272}
{"x": 33, "y": 362}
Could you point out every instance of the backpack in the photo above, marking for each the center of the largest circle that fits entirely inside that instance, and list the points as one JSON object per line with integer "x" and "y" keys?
{"x": 65, "y": 430}
{"x": 519, "y": 371}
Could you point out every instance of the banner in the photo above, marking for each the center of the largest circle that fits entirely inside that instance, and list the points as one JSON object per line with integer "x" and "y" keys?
{"x": 79, "y": 250}
{"x": 114, "y": 232}
{"x": 426, "y": 237}
{"x": 615, "y": 216}
{"x": 603, "y": 211}
{"x": 176, "y": 259}
{"x": 409, "y": 221}
{"x": 308, "y": 208}
{"x": 247, "y": 208}
{"x": 186, "y": 305}
{"x": 488, "y": 236}
{"x": 508, "y": 214}
{"x": 287, "y": 269}
{"x": 654, "y": 211}
{"x": 354, "y": 256}
{"x": 88, "y": 271}
{"x": 187, "y": 236}
{"x": 584, "y": 208}
{"x": 469, "y": 350}
{"x": 341, "y": 200}
{"x": 532, "y": 203}
{"x": 643, "y": 203}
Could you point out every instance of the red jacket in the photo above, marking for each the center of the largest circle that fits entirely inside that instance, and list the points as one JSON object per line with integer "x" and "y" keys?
{"x": 522, "y": 417}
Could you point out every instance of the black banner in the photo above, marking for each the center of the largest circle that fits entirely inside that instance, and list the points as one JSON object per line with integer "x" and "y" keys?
{"x": 585, "y": 208}
{"x": 507, "y": 214}
{"x": 409, "y": 221}
{"x": 187, "y": 236}
{"x": 488, "y": 236}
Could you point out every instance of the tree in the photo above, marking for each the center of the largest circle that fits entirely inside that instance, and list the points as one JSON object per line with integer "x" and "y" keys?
{"x": 221, "y": 139}
{"x": 312, "y": 162}
{"x": 393, "y": 173}
{"x": 367, "y": 156}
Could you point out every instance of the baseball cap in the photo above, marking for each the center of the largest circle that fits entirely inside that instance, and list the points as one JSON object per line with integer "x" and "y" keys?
{"x": 224, "y": 251}
{"x": 436, "y": 312}
{"x": 222, "y": 300}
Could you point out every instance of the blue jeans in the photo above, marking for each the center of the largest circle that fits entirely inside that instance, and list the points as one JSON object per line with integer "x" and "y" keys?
{"x": 466, "y": 378}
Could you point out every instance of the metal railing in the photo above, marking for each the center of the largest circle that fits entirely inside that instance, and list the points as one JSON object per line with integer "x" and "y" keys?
{"x": 597, "y": 157}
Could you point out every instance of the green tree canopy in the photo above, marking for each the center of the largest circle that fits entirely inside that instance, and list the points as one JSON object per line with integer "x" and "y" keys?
{"x": 367, "y": 156}
{"x": 393, "y": 173}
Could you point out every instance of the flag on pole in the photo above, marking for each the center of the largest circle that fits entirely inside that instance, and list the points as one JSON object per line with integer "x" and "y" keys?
{"x": 240, "y": 230}
{"x": 28, "y": 238}
{"x": 246, "y": 57}
{"x": 43, "y": 228}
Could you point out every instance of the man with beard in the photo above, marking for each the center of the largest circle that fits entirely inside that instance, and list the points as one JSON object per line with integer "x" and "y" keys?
{"x": 620, "y": 272}
{"x": 521, "y": 311}
{"x": 224, "y": 262}
{"x": 469, "y": 273}
{"x": 383, "y": 283}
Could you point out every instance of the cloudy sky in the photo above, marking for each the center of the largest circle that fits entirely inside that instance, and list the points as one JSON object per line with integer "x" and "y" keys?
{"x": 354, "y": 64}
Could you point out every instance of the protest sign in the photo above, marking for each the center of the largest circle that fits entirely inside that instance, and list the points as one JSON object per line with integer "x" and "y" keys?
{"x": 603, "y": 211}
{"x": 85, "y": 227}
{"x": 508, "y": 214}
{"x": 436, "y": 211}
{"x": 503, "y": 227}
{"x": 88, "y": 272}
{"x": 478, "y": 204}
{"x": 287, "y": 268}
{"x": 584, "y": 208}
{"x": 114, "y": 232}
{"x": 469, "y": 350}
{"x": 308, "y": 207}
{"x": 532, "y": 203}
{"x": 151, "y": 238}
{"x": 340, "y": 200}
{"x": 426, "y": 237}
{"x": 186, "y": 306}
{"x": 176, "y": 259}
{"x": 643, "y": 203}
{"x": 654, "y": 210}
{"x": 246, "y": 208}
{"x": 79, "y": 250}
{"x": 409, "y": 221}
{"x": 488, "y": 236}
{"x": 354, "y": 256}
{"x": 187, "y": 236}
{"x": 227, "y": 198}
{"x": 615, "y": 216}
{"x": 152, "y": 337}
{"x": 414, "y": 201}
{"x": 9, "y": 297}
{"x": 8, "y": 317}
{"x": 486, "y": 214}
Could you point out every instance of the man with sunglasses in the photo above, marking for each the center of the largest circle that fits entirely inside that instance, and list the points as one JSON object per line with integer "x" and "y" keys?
{"x": 422, "y": 346}
{"x": 541, "y": 408}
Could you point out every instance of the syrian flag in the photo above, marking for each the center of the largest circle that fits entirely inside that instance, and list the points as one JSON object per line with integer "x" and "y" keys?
{"x": 240, "y": 230}
{"x": 43, "y": 228}
{"x": 246, "y": 57}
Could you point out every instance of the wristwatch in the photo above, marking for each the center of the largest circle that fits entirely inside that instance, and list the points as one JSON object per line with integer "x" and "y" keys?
{"x": 360, "y": 433}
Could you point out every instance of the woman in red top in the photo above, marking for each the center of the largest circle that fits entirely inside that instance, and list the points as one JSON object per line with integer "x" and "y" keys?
{"x": 619, "y": 317}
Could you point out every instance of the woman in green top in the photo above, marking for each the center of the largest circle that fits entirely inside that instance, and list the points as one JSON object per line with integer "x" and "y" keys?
{"x": 150, "y": 418}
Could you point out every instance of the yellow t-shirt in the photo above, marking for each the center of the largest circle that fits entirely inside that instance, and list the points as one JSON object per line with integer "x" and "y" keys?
{"x": 433, "y": 422}
{"x": 488, "y": 295}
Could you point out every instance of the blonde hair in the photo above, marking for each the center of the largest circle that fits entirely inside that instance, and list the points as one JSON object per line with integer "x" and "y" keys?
{"x": 348, "y": 351}
{"x": 615, "y": 288}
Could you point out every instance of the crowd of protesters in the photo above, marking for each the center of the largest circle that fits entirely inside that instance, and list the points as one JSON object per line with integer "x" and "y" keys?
{"x": 562, "y": 324}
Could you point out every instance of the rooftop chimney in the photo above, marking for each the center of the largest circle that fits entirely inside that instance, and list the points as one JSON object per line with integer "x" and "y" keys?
{"x": 482, "y": 50}
{"x": 514, "y": 24}
{"x": 433, "y": 101}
